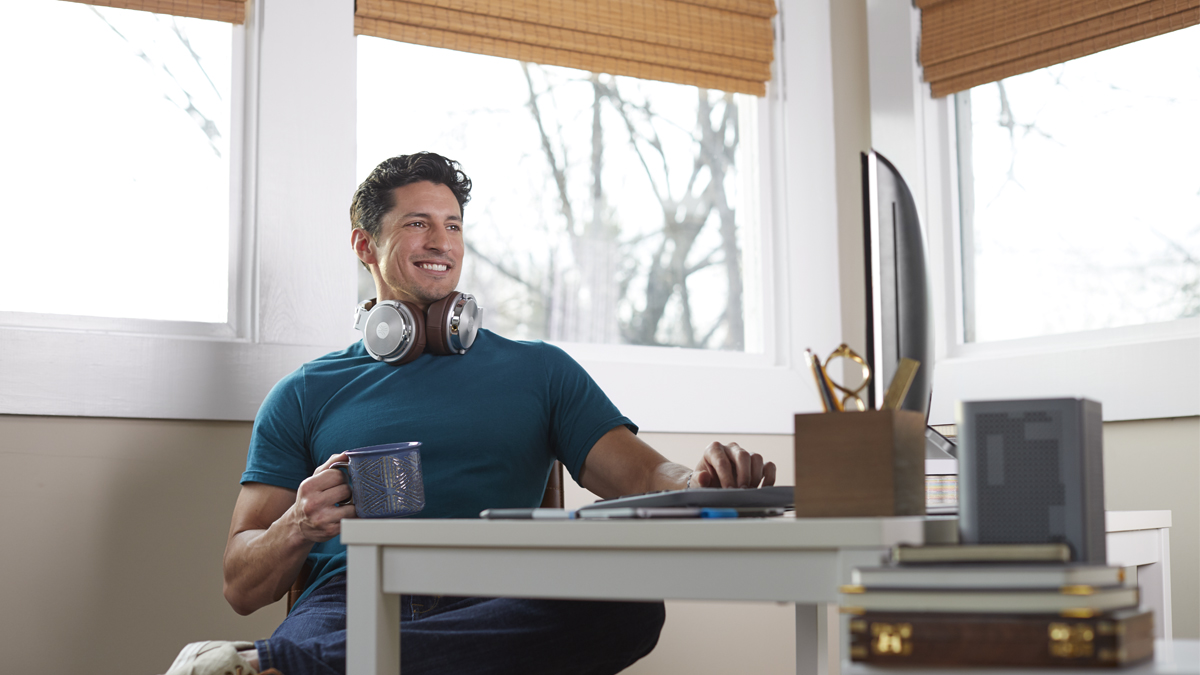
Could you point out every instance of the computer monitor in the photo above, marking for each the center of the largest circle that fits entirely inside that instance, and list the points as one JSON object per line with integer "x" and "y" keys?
{"x": 899, "y": 315}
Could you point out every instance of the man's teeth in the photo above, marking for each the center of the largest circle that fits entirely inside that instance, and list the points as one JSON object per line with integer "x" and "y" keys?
{"x": 433, "y": 266}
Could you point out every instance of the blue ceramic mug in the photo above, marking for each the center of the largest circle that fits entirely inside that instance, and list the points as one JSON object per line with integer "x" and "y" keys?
{"x": 385, "y": 480}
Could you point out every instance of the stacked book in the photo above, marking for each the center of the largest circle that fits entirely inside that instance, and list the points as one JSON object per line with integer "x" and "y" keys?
{"x": 994, "y": 605}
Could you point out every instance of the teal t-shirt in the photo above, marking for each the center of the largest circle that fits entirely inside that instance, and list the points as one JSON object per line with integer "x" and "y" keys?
{"x": 491, "y": 423}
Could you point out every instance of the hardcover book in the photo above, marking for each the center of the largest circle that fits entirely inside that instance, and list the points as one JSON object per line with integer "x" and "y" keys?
{"x": 981, "y": 553}
{"x": 918, "y": 639}
{"x": 1075, "y": 601}
{"x": 984, "y": 576}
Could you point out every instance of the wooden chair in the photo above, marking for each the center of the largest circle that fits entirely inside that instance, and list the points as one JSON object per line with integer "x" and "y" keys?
{"x": 552, "y": 499}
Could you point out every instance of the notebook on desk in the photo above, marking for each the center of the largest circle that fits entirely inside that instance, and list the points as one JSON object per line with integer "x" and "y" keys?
{"x": 775, "y": 496}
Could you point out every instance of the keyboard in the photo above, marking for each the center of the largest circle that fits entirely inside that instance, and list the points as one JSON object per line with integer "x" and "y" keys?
{"x": 775, "y": 496}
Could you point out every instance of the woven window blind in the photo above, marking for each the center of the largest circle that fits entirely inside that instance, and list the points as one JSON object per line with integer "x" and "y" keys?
{"x": 717, "y": 44}
{"x": 229, "y": 11}
{"x": 966, "y": 43}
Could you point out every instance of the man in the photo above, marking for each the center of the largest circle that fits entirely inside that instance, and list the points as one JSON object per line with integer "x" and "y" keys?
{"x": 492, "y": 421}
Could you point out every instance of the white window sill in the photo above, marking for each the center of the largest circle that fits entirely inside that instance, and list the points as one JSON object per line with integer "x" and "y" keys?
{"x": 1137, "y": 372}
{"x": 75, "y": 373}
{"x": 51, "y": 372}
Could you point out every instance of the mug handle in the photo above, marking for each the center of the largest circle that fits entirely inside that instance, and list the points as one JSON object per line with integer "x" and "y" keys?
{"x": 344, "y": 467}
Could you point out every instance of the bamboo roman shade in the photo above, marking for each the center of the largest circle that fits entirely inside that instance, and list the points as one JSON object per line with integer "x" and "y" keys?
{"x": 230, "y": 11}
{"x": 965, "y": 43}
{"x": 717, "y": 44}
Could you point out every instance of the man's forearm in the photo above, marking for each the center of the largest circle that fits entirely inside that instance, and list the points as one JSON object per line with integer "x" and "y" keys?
{"x": 261, "y": 565}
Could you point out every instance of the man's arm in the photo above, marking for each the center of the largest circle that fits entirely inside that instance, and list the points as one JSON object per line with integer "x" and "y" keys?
{"x": 273, "y": 530}
{"x": 621, "y": 464}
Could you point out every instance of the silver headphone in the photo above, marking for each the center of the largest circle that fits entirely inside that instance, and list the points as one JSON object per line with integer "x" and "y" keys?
{"x": 397, "y": 331}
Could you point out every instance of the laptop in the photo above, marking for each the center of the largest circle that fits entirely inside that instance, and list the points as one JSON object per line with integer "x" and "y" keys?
{"x": 775, "y": 496}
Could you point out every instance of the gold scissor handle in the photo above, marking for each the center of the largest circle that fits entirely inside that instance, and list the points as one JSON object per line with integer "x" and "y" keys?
{"x": 844, "y": 351}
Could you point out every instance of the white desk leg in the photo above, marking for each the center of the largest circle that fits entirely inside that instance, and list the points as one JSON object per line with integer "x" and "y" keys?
{"x": 1155, "y": 583}
{"x": 817, "y": 640}
{"x": 372, "y": 617}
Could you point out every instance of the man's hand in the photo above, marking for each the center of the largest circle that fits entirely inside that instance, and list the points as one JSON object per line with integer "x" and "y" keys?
{"x": 730, "y": 466}
{"x": 622, "y": 464}
{"x": 316, "y": 514}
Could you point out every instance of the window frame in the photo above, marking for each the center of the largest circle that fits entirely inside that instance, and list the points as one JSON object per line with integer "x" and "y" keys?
{"x": 1135, "y": 372}
{"x": 292, "y": 293}
{"x": 234, "y": 326}
{"x": 95, "y": 366}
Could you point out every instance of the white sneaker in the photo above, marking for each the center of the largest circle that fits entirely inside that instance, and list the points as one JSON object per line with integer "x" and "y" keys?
{"x": 215, "y": 657}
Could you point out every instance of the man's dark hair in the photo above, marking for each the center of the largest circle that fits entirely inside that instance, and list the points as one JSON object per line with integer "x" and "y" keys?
{"x": 374, "y": 198}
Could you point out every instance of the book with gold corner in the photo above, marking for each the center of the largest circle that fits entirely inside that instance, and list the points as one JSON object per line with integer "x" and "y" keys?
{"x": 941, "y": 639}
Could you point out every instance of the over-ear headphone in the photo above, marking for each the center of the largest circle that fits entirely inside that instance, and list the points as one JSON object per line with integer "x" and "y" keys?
{"x": 397, "y": 331}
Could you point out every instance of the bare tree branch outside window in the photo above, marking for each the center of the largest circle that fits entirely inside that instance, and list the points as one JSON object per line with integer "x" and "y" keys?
{"x": 626, "y": 285}
{"x": 174, "y": 86}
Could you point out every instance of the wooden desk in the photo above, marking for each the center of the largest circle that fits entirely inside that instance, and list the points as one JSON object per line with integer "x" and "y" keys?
{"x": 802, "y": 561}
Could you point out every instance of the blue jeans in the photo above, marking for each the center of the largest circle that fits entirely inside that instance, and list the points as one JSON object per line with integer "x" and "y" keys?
{"x": 463, "y": 636}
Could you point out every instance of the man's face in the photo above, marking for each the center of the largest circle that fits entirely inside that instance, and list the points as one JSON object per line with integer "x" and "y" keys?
{"x": 418, "y": 252}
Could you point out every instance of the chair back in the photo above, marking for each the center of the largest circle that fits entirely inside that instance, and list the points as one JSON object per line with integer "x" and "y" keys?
{"x": 553, "y": 498}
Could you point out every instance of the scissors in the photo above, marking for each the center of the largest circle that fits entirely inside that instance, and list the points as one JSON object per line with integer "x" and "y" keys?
{"x": 845, "y": 352}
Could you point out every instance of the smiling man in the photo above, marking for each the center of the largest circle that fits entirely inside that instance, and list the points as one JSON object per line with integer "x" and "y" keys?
{"x": 492, "y": 420}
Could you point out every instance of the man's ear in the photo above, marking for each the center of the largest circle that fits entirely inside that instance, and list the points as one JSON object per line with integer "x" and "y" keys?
{"x": 363, "y": 245}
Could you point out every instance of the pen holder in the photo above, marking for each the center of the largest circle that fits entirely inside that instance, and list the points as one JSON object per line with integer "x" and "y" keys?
{"x": 859, "y": 464}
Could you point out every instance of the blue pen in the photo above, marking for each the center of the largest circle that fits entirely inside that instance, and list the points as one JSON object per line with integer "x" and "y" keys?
{"x": 718, "y": 513}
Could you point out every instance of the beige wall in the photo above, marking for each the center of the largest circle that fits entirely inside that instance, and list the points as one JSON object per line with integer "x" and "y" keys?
{"x": 113, "y": 541}
{"x": 1155, "y": 464}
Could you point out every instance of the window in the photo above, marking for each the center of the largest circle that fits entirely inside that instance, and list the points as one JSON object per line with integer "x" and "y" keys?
{"x": 1134, "y": 371}
{"x": 293, "y": 170}
{"x": 114, "y": 163}
{"x": 1080, "y": 193}
{"x": 605, "y": 209}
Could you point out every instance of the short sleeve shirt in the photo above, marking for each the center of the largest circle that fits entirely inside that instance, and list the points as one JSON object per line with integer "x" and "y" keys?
{"x": 491, "y": 422}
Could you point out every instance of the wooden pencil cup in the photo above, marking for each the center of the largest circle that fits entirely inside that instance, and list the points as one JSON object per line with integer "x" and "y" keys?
{"x": 859, "y": 464}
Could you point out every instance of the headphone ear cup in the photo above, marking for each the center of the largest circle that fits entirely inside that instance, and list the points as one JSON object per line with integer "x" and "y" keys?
{"x": 418, "y": 341}
{"x": 393, "y": 331}
{"x": 437, "y": 325}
